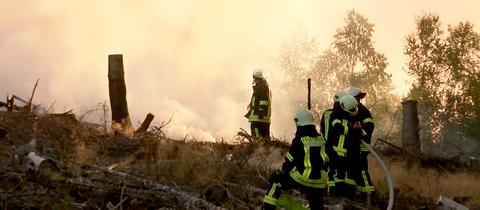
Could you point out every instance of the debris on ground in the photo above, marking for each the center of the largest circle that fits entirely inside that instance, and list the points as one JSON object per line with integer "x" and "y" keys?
{"x": 54, "y": 161}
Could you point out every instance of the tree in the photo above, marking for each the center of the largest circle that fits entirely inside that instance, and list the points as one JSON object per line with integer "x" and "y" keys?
{"x": 351, "y": 59}
{"x": 296, "y": 60}
{"x": 357, "y": 63}
{"x": 446, "y": 76}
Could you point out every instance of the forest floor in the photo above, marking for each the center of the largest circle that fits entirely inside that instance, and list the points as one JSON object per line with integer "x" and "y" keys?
{"x": 87, "y": 168}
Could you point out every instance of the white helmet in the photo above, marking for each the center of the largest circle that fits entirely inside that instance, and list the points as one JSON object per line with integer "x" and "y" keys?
{"x": 304, "y": 117}
{"x": 355, "y": 92}
{"x": 349, "y": 104}
{"x": 258, "y": 73}
{"x": 338, "y": 95}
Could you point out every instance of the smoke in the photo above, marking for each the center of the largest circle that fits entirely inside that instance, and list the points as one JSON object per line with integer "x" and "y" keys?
{"x": 192, "y": 59}
{"x": 189, "y": 59}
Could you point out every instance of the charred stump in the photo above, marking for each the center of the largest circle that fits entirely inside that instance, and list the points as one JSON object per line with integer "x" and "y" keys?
{"x": 146, "y": 123}
{"x": 410, "y": 136}
{"x": 118, "y": 92}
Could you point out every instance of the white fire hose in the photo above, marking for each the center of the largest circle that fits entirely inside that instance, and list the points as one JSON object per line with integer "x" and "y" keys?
{"x": 385, "y": 171}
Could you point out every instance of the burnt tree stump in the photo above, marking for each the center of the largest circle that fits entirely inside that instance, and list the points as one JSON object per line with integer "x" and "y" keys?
{"x": 410, "y": 136}
{"x": 118, "y": 92}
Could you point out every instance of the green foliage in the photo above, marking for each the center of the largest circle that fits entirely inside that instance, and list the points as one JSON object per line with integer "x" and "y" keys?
{"x": 351, "y": 59}
{"x": 445, "y": 68}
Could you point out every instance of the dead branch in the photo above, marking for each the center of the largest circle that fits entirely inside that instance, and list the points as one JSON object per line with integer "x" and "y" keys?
{"x": 261, "y": 177}
{"x": 29, "y": 104}
{"x": 390, "y": 144}
{"x": 20, "y": 99}
{"x": 247, "y": 187}
{"x": 168, "y": 122}
{"x": 50, "y": 108}
{"x": 184, "y": 197}
{"x": 67, "y": 112}
{"x": 243, "y": 133}
{"x": 158, "y": 129}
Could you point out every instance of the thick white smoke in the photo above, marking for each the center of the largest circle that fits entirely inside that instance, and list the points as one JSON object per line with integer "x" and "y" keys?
{"x": 189, "y": 58}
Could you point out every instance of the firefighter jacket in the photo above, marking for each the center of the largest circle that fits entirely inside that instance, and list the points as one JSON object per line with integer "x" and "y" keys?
{"x": 326, "y": 131}
{"x": 364, "y": 117}
{"x": 326, "y": 121}
{"x": 346, "y": 138}
{"x": 339, "y": 133}
{"x": 345, "y": 141}
{"x": 259, "y": 109}
{"x": 307, "y": 159}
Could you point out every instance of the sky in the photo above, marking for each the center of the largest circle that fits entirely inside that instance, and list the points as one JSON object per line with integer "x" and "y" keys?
{"x": 186, "y": 58}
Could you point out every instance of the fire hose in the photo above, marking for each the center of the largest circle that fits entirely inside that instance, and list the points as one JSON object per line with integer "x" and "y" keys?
{"x": 385, "y": 171}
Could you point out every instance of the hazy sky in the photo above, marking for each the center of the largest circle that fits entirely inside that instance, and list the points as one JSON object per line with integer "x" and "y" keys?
{"x": 190, "y": 58}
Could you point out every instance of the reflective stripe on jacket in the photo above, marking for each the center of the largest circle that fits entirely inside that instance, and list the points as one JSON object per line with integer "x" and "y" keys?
{"x": 307, "y": 160}
{"x": 260, "y": 106}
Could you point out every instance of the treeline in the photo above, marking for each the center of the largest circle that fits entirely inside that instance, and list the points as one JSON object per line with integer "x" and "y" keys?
{"x": 444, "y": 67}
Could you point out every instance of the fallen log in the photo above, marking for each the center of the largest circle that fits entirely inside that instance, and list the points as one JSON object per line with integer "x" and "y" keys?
{"x": 185, "y": 198}
{"x": 445, "y": 203}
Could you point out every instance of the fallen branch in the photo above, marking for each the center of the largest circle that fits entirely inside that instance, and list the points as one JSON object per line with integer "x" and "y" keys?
{"x": 390, "y": 144}
{"x": 248, "y": 187}
{"x": 243, "y": 133}
{"x": 184, "y": 197}
{"x": 110, "y": 206}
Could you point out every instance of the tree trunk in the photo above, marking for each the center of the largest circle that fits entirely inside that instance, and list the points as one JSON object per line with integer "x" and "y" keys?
{"x": 410, "y": 136}
{"x": 118, "y": 92}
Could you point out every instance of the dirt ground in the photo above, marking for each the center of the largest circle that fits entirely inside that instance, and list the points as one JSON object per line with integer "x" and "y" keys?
{"x": 87, "y": 168}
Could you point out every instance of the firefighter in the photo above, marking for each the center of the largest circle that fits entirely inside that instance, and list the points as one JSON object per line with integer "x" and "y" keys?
{"x": 325, "y": 124}
{"x": 305, "y": 162}
{"x": 260, "y": 107}
{"x": 325, "y": 121}
{"x": 365, "y": 123}
{"x": 347, "y": 150}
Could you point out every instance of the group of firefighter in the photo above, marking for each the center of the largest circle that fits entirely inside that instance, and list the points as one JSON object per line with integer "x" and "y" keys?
{"x": 332, "y": 161}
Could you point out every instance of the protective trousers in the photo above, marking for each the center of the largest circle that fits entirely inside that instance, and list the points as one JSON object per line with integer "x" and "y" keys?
{"x": 362, "y": 177}
{"x": 343, "y": 175}
{"x": 260, "y": 130}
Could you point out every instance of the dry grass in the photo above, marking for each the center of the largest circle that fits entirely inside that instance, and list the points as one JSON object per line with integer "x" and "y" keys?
{"x": 413, "y": 181}
{"x": 196, "y": 166}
